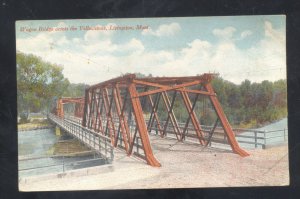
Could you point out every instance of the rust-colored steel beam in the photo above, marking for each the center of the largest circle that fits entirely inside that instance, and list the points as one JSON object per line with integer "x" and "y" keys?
{"x": 178, "y": 87}
{"x": 205, "y": 78}
{"x": 189, "y": 118}
{"x": 154, "y": 114}
{"x": 124, "y": 118}
{"x": 96, "y": 111}
{"x": 141, "y": 125}
{"x": 227, "y": 128}
{"x": 85, "y": 108}
{"x": 101, "y": 113}
{"x": 193, "y": 117}
{"x": 169, "y": 88}
{"x": 171, "y": 115}
{"x": 109, "y": 124}
{"x": 91, "y": 107}
{"x": 122, "y": 121}
{"x": 78, "y": 101}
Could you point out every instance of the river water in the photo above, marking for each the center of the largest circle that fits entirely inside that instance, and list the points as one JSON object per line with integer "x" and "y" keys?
{"x": 272, "y": 134}
{"x": 34, "y": 150}
{"x": 281, "y": 124}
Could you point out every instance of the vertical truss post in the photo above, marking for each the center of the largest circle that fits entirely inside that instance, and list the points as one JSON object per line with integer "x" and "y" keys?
{"x": 211, "y": 133}
{"x": 106, "y": 107}
{"x": 77, "y": 110}
{"x": 99, "y": 128}
{"x": 123, "y": 105}
{"x": 140, "y": 123}
{"x": 109, "y": 124}
{"x": 98, "y": 119}
{"x": 122, "y": 121}
{"x": 222, "y": 118}
{"x": 85, "y": 108}
{"x": 193, "y": 116}
{"x": 91, "y": 109}
{"x": 154, "y": 114}
{"x": 59, "y": 108}
{"x": 189, "y": 117}
{"x": 94, "y": 104}
{"x": 171, "y": 114}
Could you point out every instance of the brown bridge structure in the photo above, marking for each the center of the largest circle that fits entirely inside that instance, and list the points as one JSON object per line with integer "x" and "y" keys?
{"x": 128, "y": 109}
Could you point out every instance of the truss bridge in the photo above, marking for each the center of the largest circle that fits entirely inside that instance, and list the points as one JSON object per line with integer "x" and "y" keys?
{"x": 123, "y": 112}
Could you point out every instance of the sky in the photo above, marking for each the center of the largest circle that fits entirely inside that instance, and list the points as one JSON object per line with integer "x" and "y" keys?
{"x": 94, "y": 50}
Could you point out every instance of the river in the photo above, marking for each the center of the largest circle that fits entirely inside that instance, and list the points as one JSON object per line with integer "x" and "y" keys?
{"x": 271, "y": 134}
{"x": 281, "y": 124}
{"x": 34, "y": 150}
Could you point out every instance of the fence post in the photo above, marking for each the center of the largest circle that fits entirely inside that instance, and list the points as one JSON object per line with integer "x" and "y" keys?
{"x": 255, "y": 138}
{"x": 94, "y": 142}
{"x": 137, "y": 145}
{"x": 284, "y": 134}
{"x": 99, "y": 144}
{"x": 63, "y": 164}
{"x": 265, "y": 139}
{"x": 111, "y": 154}
{"x": 105, "y": 147}
{"x": 90, "y": 138}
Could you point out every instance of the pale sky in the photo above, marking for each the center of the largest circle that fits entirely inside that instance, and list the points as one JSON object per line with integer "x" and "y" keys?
{"x": 238, "y": 48}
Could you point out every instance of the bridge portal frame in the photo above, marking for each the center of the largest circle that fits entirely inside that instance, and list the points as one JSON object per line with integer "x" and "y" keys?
{"x": 79, "y": 104}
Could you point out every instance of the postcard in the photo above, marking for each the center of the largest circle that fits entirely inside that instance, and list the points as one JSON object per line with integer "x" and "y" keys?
{"x": 152, "y": 103}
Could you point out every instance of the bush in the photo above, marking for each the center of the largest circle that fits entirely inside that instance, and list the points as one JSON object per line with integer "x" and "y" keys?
{"x": 24, "y": 118}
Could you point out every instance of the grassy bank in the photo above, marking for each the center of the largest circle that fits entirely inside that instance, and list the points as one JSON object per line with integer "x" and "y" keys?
{"x": 34, "y": 125}
{"x": 69, "y": 148}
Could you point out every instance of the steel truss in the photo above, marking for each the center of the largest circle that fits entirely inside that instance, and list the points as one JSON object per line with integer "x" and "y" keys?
{"x": 78, "y": 101}
{"x": 115, "y": 108}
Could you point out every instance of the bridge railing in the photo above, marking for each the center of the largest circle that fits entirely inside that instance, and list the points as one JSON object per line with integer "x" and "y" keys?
{"x": 95, "y": 141}
{"x": 248, "y": 138}
{"x": 137, "y": 143}
{"x": 45, "y": 164}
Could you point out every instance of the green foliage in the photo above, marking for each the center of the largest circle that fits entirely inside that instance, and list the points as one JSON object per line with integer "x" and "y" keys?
{"x": 246, "y": 105}
{"x": 38, "y": 82}
{"x": 252, "y": 104}
{"x": 23, "y": 118}
{"x": 75, "y": 90}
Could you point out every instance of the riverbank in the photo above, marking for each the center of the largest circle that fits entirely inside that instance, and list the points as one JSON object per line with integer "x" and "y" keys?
{"x": 35, "y": 125}
{"x": 254, "y": 125}
{"x": 69, "y": 148}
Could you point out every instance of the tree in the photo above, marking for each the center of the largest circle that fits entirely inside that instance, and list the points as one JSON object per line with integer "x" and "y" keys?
{"x": 75, "y": 90}
{"x": 38, "y": 83}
